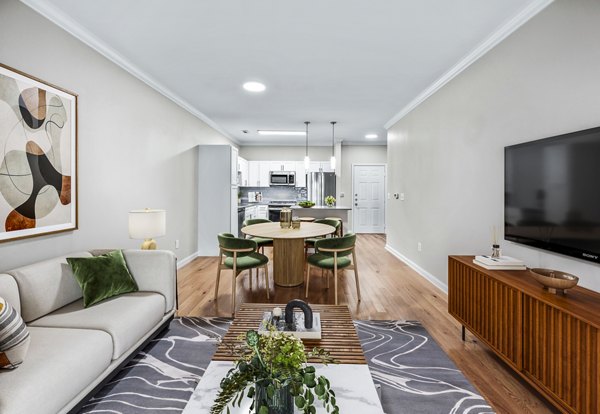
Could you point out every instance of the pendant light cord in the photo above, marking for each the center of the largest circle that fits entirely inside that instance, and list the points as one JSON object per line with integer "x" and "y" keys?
{"x": 333, "y": 138}
{"x": 306, "y": 122}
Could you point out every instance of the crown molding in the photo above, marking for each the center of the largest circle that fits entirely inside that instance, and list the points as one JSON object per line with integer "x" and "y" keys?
{"x": 65, "y": 22}
{"x": 495, "y": 38}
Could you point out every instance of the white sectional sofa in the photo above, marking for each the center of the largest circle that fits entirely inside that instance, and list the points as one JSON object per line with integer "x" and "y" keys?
{"x": 74, "y": 349}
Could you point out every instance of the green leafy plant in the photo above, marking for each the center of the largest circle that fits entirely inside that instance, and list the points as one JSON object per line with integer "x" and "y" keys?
{"x": 330, "y": 200}
{"x": 275, "y": 361}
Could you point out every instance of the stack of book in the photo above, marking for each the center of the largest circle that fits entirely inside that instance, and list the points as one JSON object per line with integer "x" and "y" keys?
{"x": 499, "y": 263}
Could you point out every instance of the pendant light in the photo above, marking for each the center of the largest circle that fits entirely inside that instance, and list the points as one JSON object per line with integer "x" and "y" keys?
{"x": 306, "y": 158}
{"x": 332, "y": 160}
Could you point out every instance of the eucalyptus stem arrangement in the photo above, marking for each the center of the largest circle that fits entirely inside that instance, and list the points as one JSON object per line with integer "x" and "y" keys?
{"x": 271, "y": 366}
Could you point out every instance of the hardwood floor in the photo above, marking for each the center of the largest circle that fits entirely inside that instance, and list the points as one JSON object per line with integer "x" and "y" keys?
{"x": 390, "y": 290}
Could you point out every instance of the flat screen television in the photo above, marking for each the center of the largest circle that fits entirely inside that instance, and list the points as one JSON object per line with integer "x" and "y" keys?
{"x": 552, "y": 194}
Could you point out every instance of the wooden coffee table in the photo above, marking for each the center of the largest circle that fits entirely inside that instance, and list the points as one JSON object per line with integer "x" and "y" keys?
{"x": 288, "y": 248}
{"x": 338, "y": 334}
{"x": 350, "y": 378}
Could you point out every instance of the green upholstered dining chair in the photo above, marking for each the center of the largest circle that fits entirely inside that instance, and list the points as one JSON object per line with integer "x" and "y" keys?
{"x": 333, "y": 254}
{"x": 261, "y": 241}
{"x": 310, "y": 243}
{"x": 238, "y": 255}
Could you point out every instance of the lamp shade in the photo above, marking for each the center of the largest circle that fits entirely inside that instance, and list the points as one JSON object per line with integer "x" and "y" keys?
{"x": 147, "y": 223}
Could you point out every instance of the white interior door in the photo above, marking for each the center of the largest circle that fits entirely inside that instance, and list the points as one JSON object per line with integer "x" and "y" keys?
{"x": 368, "y": 198}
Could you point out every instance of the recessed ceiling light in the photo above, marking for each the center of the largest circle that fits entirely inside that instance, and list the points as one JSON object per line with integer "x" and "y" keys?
{"x": 371, "y": 136}
{"x": 269, "y": 132}
{"x": 254, "y": 86}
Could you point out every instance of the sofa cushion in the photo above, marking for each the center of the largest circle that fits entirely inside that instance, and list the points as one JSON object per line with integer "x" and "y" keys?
{"x": 14, "y": 337}
{"x": 46, "y": 286}
{"x": 102, "y": 277}
{"x": 126, "y": 318}
{"x": 59, "y": 365}
{"x": 10, "y": 291}
{"x": 154, "y": 271}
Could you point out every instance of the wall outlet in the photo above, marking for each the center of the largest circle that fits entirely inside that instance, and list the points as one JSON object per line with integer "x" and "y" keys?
{"x": 419, "y": 247}
{"x": 177, "y": 244}
{"x": 342, "y": 195}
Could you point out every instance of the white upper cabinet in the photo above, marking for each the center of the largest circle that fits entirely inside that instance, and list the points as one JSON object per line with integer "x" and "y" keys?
{"x": 234, "y": 165}
{"x": 258, "y": 171}
{"x": 243, "y": 168}
{"x": 316, "y": 166}
{"x": 300, "y": 174}
{"x": 254, "y": 173}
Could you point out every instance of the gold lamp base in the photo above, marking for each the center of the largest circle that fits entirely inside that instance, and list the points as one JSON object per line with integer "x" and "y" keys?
{"x": 149, "y": 244}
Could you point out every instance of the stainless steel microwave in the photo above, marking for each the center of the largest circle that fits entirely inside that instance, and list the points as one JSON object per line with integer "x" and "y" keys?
{"x": 282, "y": 178}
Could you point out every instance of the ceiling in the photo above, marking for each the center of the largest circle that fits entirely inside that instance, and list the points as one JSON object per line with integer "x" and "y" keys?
{"x": 356, "y": 62}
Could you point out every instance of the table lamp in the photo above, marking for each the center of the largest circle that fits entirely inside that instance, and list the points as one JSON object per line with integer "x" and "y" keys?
{"x": 146, "y": 224}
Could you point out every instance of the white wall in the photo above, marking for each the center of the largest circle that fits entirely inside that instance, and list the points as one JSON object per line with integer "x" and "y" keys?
{"x": 447, "y": 155}
{"x": 135, "y": 146}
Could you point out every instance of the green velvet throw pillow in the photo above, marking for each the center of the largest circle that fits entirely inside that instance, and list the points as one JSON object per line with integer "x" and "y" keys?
{"x": 102, "y": 277}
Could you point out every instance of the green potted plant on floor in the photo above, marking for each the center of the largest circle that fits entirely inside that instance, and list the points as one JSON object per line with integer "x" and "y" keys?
{"x": 272, "y": 370}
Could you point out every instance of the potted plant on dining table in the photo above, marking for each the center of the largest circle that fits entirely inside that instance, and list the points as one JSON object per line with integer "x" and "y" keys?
{"x": 273, "y": 371}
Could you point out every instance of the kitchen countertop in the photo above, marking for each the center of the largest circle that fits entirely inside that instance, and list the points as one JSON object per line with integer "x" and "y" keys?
{"x": 245, "y": 204}
{"x": 321, "y": 208}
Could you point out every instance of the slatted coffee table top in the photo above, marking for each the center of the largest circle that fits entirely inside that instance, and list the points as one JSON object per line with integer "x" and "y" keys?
{"x": 338, "y": 335}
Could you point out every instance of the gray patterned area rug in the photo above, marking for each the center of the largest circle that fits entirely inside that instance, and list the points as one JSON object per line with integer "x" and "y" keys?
{"x": 415, "y": 375}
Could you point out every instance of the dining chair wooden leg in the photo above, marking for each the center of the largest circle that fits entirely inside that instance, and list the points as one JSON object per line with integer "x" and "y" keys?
{"x": 266, "y": 279}
{"x": 233, "y": 278}
{"x": 250, "y": 276}
{"x": 356, "y": 274}
{"x": 307, "y": 279}
{"x": 218, "y": 279}
{"x": 335, "y": 275}
{"x": 327, "y": 280}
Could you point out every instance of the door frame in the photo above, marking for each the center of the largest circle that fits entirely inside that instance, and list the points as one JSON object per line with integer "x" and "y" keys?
{"x": 371, "y": 164}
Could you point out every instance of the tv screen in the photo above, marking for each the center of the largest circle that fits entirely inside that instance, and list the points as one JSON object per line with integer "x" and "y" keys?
{"x": 552, "y": 194}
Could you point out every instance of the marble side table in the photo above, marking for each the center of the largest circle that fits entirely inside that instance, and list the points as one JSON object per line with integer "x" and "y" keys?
{"x": 352, "y": 383}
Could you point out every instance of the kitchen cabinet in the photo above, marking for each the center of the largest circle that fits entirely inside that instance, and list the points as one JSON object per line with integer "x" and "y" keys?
{"x": 300, "y": 174}
{"x": 243, "y": 169}
{"x": 250, "y": 213}
{"x": 258, "y": 171}
{"x": 262, "y": 212}
{"x": 234, "y": 165}
{"x": 263, "y": 173}
{"x": 254, "y": 173}
{"x": 316, "y": 166}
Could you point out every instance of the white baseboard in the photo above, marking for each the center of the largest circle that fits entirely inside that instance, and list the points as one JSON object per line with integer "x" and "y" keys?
{"x": 422, "y": 272}
{"x": 186, "y": 260}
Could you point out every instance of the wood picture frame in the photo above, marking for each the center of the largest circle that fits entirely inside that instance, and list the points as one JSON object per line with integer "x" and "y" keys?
{"x": 38, "y": 157}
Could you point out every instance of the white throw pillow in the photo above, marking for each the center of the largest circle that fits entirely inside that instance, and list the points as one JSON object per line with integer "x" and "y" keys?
{"x": 14, "y": 337}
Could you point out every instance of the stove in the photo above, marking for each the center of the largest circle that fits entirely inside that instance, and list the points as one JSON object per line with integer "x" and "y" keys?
{"x": 275, "y": 207}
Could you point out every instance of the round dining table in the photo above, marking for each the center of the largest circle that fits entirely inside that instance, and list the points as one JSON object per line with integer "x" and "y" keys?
{"x": 288, "y": 248}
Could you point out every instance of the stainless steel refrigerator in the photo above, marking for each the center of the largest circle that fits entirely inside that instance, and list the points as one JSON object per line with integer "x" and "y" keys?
{"x": 320, "y": 185}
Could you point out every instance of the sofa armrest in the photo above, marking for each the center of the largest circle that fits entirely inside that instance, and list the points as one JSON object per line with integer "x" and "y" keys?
{"x": 154, "y": 271}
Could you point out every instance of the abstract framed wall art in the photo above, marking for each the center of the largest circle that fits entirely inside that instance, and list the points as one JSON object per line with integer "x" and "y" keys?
{"x": 38, "y": 157}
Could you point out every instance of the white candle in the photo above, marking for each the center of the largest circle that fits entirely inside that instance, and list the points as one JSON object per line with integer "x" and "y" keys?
{"x": 277, "y": 312}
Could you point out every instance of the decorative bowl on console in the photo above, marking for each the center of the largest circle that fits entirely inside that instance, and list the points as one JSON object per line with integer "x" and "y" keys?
{"x": 554, "y": 281}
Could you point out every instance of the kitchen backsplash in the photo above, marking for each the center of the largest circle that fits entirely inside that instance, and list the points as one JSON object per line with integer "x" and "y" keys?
{"x": 275, "y": 193}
